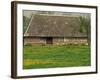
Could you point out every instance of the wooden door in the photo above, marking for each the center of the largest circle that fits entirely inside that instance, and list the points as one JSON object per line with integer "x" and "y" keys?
{"x": 49, "y": 40}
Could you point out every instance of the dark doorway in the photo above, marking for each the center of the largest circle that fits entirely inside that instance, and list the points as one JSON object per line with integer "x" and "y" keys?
{"x": 49, "y": 40}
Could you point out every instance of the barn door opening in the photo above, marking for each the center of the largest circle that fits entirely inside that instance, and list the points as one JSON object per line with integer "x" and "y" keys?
{"x": 49, "y": 40}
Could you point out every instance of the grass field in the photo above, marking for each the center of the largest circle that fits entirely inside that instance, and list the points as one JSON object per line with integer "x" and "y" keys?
{"x": 50, "y": 56}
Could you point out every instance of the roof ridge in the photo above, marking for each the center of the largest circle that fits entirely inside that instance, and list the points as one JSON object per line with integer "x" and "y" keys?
{"x": 57, "y": 15}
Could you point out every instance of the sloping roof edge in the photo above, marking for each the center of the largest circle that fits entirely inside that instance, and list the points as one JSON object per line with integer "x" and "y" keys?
{"x": 28, "y": 26}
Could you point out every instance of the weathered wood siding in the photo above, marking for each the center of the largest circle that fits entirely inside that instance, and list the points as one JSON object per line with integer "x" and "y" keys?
{"x": 34, "y": 41}
{"x": 62, "y": 41}
{"x": 56, "y": 41}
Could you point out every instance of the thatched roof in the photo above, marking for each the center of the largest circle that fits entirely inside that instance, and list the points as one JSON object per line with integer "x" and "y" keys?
{"x": 54, "y": 26}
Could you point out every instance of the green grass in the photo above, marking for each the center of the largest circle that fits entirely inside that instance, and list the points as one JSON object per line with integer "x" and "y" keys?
{"x": 50, "y": 56}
